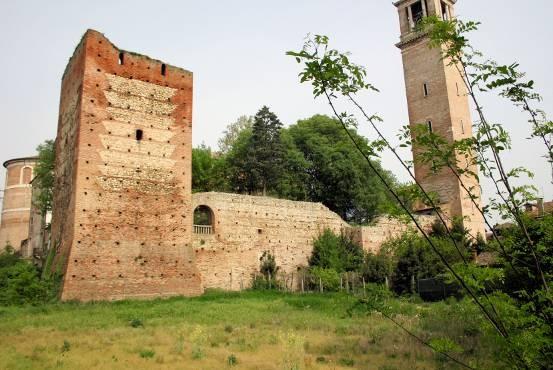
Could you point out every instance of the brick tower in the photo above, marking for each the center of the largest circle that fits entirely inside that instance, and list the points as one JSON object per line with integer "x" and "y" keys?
{"x": 437, "y": 98}
{"x": 16, "y": 208}
{"x": 122, "y": 221}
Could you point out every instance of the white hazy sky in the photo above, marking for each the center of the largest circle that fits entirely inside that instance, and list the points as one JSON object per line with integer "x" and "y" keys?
{"x": 236, "y": 51}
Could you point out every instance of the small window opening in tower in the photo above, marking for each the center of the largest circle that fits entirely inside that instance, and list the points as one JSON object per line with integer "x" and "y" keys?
{"x": 445, "y": 11}
{"x": 417, "y": 11}
{"x": 425, "y": 88}
{"x": 429, "y": 125}
{"x": 457, "y": 88}
{"x": 462, "y": 127}
{"x": 139, "y": 135}
{"x": 121, "y": 58}
{"x": 163, "y": 69}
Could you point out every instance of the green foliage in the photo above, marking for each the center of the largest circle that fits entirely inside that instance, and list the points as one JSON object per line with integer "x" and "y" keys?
{"x": 413, "y": 258}
{"x": 147, "y": 353}
{"x": 232, "y": 132}
{"x": 268, "y": 266}
{"x": 20, "y": 282}
{"x": 334, "y": 173}
{"x": 207, "y": 171}
{"x": 232, "y": 360}
{"x": 44, "y": 176}
{"x": 329, "y": 278}
{"x": 66, "y": 347}
{"x": 377, "y": 267}
{"x": 136, "y": 323}
{"x": 268, "y": 269}
{"x": 264, "y": 162}
{"x": 337, "y": 252}
{"x": 522, "y": 279}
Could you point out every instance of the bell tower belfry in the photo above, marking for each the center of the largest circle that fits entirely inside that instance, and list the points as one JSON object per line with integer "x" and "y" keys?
{"x": 436, "y": 97}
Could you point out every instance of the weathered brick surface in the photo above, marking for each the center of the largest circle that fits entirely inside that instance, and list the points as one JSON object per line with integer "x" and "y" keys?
{"x": 447, "y": 107}
{"x": 16, "y": 208}
{"x": 122, "y": 223}
{"x": 246, "y": 226}
{"x": 371, "y": 238}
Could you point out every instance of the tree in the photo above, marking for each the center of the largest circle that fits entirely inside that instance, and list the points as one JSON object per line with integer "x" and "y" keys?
{"x": 335, "y": 174}
{"x": 44, "y": 176}
{"x": 208, "y": 170}
{"x": 525, "y": 336}
{"x": 237, "y": 163}
{"x": 264, "y": 163}
{"x": 232, "y": 132}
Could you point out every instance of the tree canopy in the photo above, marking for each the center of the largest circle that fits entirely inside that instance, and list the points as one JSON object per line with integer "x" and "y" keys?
{"x": 312, "y": 160}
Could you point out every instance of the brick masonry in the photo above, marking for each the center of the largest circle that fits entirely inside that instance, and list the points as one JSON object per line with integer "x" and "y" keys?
{"x": 16, "y": 208}
{"x": 122, "y": 224}
{"x": 446, "y": 106}
{"x": 246, "y": 226}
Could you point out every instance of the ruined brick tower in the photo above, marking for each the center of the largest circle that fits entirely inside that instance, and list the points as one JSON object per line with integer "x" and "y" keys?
{"x": 122, "y": 222}
{"x": 436, "y": 97}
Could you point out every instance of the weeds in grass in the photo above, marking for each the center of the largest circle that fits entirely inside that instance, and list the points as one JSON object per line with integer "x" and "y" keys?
{"x": 66, "y": 347}
{"x": 293, "y": 348}
{"x": 229, "y": 328}
{"x": 147, "y": 353}
{"x": 346, "y": 362}
{"x": 197, "y": 353}
{"x": 137, "y": 323}
{"x": 178, "y": 347}
{"x": 232, "y": 360}
{"x": 198, "y": 338}
{"x": 325, "y": 332}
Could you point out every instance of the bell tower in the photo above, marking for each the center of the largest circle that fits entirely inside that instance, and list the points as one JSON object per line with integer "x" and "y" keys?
{"x": 437, "y": 98}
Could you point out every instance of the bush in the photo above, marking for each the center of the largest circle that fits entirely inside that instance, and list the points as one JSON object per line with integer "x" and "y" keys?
{"x": 337, "y": 252}
{"x": 268, "y": 266}
{"x": 330, "y": 279}
{"x": 20, "y": 282}
{"x": 147, "y": 353}
{"x": 377, "y": 267}
{"x": 232, "y": 360}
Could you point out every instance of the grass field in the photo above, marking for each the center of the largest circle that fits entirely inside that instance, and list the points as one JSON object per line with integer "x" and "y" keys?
{"x": 249, "y": 330}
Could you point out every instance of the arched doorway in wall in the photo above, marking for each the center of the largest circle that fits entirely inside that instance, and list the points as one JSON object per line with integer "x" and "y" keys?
{"x": 204, "y": 220}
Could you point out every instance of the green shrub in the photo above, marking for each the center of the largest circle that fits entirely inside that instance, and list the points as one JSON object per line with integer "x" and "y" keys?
{"x": 20, "y": 282}
{"x": 137, "y": 323}
{"x": 330, "y": 279}
{"x": 377, "y": 267}
{"x": 232, "y": 360}
{"x": 346, "y": 362}
{"x": 337, "y": 252}
{"x": 197, "y": 353}
{"x": 147, "y": 353}
{"x": 261, "y": 282}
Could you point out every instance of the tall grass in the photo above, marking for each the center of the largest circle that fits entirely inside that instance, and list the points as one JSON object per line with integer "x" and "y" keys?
{"x": 264, "y": 329}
